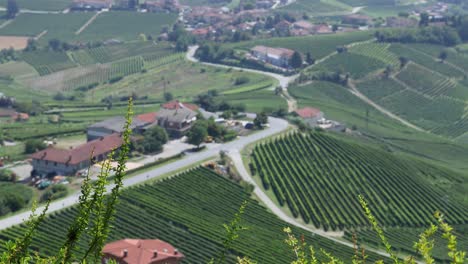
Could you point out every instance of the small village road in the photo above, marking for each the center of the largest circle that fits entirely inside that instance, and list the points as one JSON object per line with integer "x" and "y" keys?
{"x": 276, "y": 126}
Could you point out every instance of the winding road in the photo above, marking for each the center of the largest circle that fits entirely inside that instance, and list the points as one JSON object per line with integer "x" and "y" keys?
{"x": 276, "y": 126}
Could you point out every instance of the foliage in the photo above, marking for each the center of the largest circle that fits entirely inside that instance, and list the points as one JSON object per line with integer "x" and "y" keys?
{"x": 153, "y": 140}
{"x": 434, "y": 35}
{"x": 14, "y": 197}
{"x": 7, "y": 175}
{"x": 197, "y": 134}
{"x": 296, "y": 60}
{"x": 54, "y": 192}
{"x": 260, "y": 120}
{"x": 12, "y": 9}
{"x": 34, "y": 145}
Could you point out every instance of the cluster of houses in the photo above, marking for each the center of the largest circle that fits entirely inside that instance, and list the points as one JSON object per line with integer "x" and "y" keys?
{"x": 146, "y": 6}
{"x": 105, "y": 136}
{"x": 141, "y": 251}
{"x": 314, "y": 118}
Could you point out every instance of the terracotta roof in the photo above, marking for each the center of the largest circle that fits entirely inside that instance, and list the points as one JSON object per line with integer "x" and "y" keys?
{"x": 307, "y": 112}
{"x": 7, "y": 112}
{"x": 148, "y": 117}
{"x": 81, "y": 153}
{"x": 303, "y": 24}
{"x": 142, "y": 251}
{"x": 177, "y": 105}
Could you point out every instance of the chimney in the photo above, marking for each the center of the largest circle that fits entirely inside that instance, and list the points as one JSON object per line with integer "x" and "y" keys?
{"x": 125, "y": 253}
{"x": 155, "y": 253}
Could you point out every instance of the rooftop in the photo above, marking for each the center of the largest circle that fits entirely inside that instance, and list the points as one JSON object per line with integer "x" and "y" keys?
{"x": 273, "y": 51}
{"x": 117, "y": 124}
{"x": 81, "y": 153}
{"x": 177, "y": 105}
{"x": 177, "y": 115}
{"x": 308, "y": 112}
{"x": 143, "y": 251}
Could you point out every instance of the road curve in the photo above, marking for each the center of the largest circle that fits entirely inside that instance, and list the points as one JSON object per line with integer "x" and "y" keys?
{"x": 276, "y": 126}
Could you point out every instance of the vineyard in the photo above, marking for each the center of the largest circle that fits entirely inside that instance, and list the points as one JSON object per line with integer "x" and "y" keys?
{"x": 48, "y": 62}
{"x": 319, "y": 177}
{"x": 378, "y": 51}
{"x": 313, "y": 7}
{"x": 402, "y": 240}
{"x": 356, "y": 65}
{"x": 191, "y": 220}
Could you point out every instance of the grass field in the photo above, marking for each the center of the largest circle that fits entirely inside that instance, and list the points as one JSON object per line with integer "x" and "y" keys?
{"x": 314, "y": 7}
{"x": 126, "y": 25}
{"x": 60, "y": 26}
{"x": 319, "y": 46}
{"x": 319, "y": 176}
{"x": 46, "y": 5}
{"x": 187, "y": 220}
{"x": 46, "y": 62}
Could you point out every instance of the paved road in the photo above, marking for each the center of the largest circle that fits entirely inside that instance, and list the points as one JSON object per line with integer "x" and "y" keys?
{"x": 276, "y": 126}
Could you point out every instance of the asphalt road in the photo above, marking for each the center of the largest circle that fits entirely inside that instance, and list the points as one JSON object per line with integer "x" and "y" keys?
{"x": 276, "y": 126}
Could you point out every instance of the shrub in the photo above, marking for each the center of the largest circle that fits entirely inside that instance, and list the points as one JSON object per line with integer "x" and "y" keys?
{"x": 34, "y": 145}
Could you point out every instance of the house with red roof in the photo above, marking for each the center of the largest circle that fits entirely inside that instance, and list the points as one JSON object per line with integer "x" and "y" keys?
{"x": 176, "y": 117}
{"x": 55, "y": 161}
{"x": 141, "y": 251}
{"x": 310, "y": 115}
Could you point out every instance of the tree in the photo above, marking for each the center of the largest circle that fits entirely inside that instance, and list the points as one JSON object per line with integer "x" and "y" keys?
{"x": 424, "y": 19}
{"x": 443, "y": 56}
{"x": 403, "y": 61}
{"x": 168, "y": 96}
{"x": 296, "y": 60}
{"x": 12, "y": 9}
{"x": 197, "y": 134}
{"x": 260, "y": 120}
{"x": 34, "y": 145}
{"x": 32, "y": 45}
{"x": 55, "y": 44}
{"x": 334, "y": 27}
{"x": 309, "y": 58}
{"x": 154, "y": 140}
{"x": 388, "y": 71}
{"x": 278, "y": 90}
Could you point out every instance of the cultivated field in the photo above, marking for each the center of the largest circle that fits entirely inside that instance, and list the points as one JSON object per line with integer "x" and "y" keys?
{"x": 318, "y": 178}
{"x": 177, "y": 220}
{"x": 17, "y": 43}
{"x": 42, "y": 5}
{"x": 356, "y": 65}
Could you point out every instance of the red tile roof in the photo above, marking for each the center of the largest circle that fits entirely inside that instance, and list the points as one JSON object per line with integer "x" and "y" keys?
{"x": 7, "y": 112}
{"x": 81, "y": 153}
{"x": 142, "y": 251}
{"x": 307, "y": 112}
{"x": 147, "y": 117}
{"x": 177, "y": 105}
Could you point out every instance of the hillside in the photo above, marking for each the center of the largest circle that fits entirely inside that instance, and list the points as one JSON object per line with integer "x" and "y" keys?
{"x": 188, "y": 211}
{"x": 318, "y": 176}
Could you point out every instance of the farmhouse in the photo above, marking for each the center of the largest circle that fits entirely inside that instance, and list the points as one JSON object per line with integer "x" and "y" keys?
{"x": 114, "y": 125}
{"x": 279, "y": 57}
{"x": 91, "y": 4}
{"x": 310, "y": 115}
{"x": 141, "y": 251}
{"x": 177, "y": 121}
{"x": 54, "y": 161}
{"x": 176, "y": 105}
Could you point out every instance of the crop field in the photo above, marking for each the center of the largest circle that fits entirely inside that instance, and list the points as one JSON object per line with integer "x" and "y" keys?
{"x": 378, "y": 88}
{"x": 258, "y": 100}
{"x": 377, "y": 51}
{"x": 319, "y": 177}
{"x": 17, "y": 43}
{"x": 319, "y": 46}
{"x": 430, "y": 62}
{"x": 459, "y": 59}
{"x": 47, "y": 5}
{"x": 356, "y": 65}
{"x": 46, "y": 62}
{"x": 185, "y": 221}
{"x": 18, "y": 69}
{"x": 41, "y": 128}
{"x": 317, "y": 7}
{"x": 424, "y": 81}
{"x": 60, "y": 26}
{"x": 126, "y": 25}
{"x": 402, "y": 240}
{"x": 110, "y": 53}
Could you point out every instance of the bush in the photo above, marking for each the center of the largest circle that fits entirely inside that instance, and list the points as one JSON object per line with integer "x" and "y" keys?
{"x": 241, "y": 80}
{"x": 34, "y": 145}
{"x": 115, "y": 79}
{"x": 55, "y": 192}
{"x": 6, "y": 175}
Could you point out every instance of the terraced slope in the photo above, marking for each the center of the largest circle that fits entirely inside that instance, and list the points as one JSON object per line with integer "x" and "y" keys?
{"x": 318, "y": 178}
{"x": 188, "y": 211}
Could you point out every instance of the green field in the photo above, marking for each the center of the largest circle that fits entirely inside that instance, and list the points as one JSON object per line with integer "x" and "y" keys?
{"x": 358, "y": 66}
{"x": 319, "y": 46}
{"x": 314, "y": 7}
{"x": 52, "y": 5}
{"x": 377, "y": 51}
{"x": 187, "y": 220}
{"x": 59, "y": 26}
{"x": 126, "y": 25}
{"x": 46, "y": 62}
{"x": 318, "y": 177}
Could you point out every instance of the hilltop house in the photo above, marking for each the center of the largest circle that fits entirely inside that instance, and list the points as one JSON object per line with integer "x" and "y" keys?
{"x": 310, "y": 115}
{"x": 279, "y": 57}
{"x": 54, "y": 161}
{"x": 141, "y": 251}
